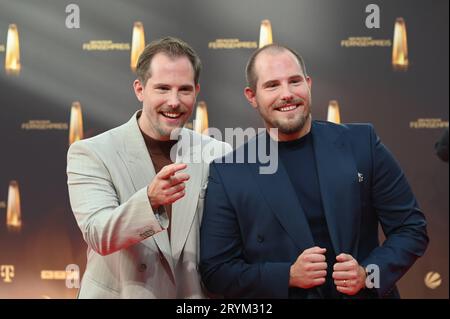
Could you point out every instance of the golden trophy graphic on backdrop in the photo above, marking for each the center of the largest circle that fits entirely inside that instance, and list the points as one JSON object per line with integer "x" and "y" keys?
{"x": 76, "y": 123}
{"x": 12, "y": 56}
{"x": 13, "y": 210}
{"x": 400, "y": 60}
{"x": 137, "y": 43}
{"x": 201, "y": 118}
{"x": 265, "y": 33}
{"x": 333, "y": 112}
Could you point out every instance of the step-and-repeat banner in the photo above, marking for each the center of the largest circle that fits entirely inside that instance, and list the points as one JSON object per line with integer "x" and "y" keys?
{"x": 66, "y": 73}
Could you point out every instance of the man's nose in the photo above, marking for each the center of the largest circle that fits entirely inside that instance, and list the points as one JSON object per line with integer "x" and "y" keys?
{"x": 173, "y": 101}
{"x": 286, "y": 93}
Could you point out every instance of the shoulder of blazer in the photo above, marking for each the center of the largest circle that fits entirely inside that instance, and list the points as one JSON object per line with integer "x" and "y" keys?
{"x": 205, "y": 139}
{"x": 355, "y": 132}
{"x": 220, "y": 148}
{"x": 353, "y": 127}
{"x": 111, "y": 140}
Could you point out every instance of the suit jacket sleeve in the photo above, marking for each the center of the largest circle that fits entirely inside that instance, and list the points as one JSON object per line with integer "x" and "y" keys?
{"x": 222, "y": 256}
{"x": 402, "y": 221}
{"x": 106, "y": 224}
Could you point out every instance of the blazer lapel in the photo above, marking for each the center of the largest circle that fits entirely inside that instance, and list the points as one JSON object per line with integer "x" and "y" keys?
{"x": 140, "y": 168}
{"x": 184, "y": 209}
{"x": 280, "y": 196}
{"x": 338, "y": 180}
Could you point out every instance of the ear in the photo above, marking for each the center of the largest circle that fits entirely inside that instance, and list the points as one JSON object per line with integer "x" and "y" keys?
{"x": 251, "y": 96}
{"x": 197, "y": 89}
{"x": 138, "y": 90}
{"x": 309, "y": 81}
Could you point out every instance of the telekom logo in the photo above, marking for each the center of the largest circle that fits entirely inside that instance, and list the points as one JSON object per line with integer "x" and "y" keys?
{"x": 7, "y": 273}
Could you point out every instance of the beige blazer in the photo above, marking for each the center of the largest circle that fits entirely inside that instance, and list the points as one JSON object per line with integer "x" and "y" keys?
{"x": 129, "y": 253}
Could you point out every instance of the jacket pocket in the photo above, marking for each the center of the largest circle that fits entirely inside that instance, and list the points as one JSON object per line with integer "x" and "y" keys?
{"x": 92, "y": 289}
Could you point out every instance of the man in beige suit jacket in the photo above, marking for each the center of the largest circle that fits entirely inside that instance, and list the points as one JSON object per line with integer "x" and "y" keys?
{"x": 119, "y": 200}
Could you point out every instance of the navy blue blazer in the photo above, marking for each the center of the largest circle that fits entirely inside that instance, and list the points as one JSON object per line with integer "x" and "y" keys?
{"x": 254, "y": 228}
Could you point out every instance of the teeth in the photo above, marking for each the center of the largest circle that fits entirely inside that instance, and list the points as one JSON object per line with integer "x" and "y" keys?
{"x": 171, "y": 115}
{"x": 287, "y": 108}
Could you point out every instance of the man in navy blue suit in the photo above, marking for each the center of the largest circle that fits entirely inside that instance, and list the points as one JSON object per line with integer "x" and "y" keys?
{"x": 309, "y": 229}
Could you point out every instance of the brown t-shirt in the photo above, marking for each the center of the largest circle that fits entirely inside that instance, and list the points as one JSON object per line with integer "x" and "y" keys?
{"x": 160, "y": 154}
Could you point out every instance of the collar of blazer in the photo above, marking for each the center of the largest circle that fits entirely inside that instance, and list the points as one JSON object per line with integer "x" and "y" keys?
{"x": 134, "y": 152}
{"x": 339, "y": 188}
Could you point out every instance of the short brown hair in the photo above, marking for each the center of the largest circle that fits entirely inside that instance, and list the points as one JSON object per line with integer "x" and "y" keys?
{"x": 172, "y": 47}
{"x": 252, "y": 79}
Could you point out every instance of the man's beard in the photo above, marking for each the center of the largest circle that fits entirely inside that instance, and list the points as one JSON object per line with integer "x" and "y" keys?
{"x": 294, "y": 125}
{"x": 166, "y": 130}
{"x": 169, "y": 131}
{"x": 291, "y": 126}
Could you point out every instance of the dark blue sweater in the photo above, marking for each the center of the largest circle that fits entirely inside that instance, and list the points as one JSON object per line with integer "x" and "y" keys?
{"x": 299, "y": 161}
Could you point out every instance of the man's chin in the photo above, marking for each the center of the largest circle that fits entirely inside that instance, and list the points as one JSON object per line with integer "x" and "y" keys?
{"x": 290, "y": 128}
{"x": 171, "y": 130}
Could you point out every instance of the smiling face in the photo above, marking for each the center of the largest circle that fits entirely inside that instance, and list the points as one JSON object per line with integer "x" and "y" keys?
{"x": 282, "y": 94}
{"x": 168, "y": 97}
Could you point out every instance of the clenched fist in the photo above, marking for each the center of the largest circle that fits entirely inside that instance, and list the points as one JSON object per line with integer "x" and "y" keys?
{"x": 310, "y": 269}
{"x": 349, "y": 277}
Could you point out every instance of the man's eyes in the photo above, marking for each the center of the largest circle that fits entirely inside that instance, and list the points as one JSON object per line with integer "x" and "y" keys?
{"x": 276, "y": 84}
{"x": 166, "y": 88}
{"x": 271, "y": 85}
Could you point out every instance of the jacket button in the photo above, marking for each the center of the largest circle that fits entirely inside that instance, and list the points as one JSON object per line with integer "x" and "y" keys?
{"x": 260, "y": 238}
{"x": 142, "y": 267}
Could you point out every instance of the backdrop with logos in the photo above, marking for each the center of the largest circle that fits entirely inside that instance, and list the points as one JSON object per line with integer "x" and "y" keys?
{"x": 76, "y": 55}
